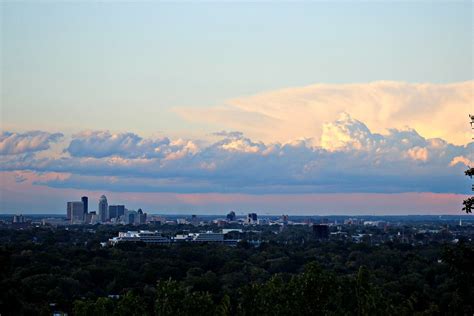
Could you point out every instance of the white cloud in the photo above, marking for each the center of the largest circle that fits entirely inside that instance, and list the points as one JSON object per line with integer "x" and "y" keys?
{"x": 102, "y": 144}
{"x": 28, "y": 142}
{"x": 181, "y": 148}
{"x": 418, "y": 153}
{"x": 461, "y": 160}
{"x": 346, "y": 134}
{"x": 434, "y": 110}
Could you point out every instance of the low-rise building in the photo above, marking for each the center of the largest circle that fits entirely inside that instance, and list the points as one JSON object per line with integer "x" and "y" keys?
{"x": 156, "y": 238}
{"x": 208, "y": 237}
{"x": 142, "y": 235}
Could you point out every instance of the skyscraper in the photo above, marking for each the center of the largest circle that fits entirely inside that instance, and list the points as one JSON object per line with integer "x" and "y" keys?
{"x": 231, "y": 216}
{"x": 130, "y": 216}
{"x": 75, "y": 212}
{"x": 103, "y": 209}
{"x": 85, "y": 202}
{"x": 141, "y": 217}
{"x": 120, "y": 210}
{"x": 115, "y": 211}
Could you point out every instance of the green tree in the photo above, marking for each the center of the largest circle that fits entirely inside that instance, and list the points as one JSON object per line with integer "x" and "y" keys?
{"x": 104, "y": 307}
{"x": 224, "y": 308}
{"x": 83, "y": 308}
{"x": 198, "y": 303}
{"x": 170, "y": 296}
{"x": 131, "y": 305}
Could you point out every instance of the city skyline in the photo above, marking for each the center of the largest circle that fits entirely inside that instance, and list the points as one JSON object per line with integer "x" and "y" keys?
{"x": 308, "y": 108}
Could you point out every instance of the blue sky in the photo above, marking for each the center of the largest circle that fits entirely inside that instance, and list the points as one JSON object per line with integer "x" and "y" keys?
{"x": 126, "y": 99}
{"x": 75, "y": 63}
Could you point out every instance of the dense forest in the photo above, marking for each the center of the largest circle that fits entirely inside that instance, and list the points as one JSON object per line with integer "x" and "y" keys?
{"x": 44, "y": 270}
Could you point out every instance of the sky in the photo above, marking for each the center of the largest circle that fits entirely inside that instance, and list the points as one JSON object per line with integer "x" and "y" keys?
{"x": 272, "y": 107}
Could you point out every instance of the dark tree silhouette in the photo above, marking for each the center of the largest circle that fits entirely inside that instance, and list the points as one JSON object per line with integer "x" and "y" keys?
{"x": 469, "y": 202}
{"x": 469, "y": 172}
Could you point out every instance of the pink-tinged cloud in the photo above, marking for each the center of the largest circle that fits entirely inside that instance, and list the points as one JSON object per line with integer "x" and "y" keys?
{"x": 351, "y": 159}
{"x": 42, "y": 199}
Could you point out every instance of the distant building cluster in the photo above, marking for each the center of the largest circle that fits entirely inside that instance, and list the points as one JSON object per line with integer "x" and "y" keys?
{"x": 18, "y": 219}
{"x": 77, "y": 212}
{"x": 373, "y": 230}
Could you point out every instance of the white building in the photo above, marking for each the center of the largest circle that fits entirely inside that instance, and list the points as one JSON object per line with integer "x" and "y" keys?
{"x": 200, "y": 237}
{"x": 142, "y": 235}
{"x": 208, "y": 237}
{"x": 156, "y": 238}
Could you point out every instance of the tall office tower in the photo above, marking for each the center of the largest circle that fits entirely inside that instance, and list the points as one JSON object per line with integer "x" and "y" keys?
{"x": 194, "y": 220}
{"x": 68, "y": 210}
{"x": 103, "y": 209}
{"x": 75, "y": 212}
{"x": 115, "y": 211}
{"x": 112, "y": 211}
{"x": 120, "y": 210}
{"x": 85, "y": 201}
{"x": 141, "y": 217}
{"x": 130, "y": 217}
{"x": 231, "y": 216}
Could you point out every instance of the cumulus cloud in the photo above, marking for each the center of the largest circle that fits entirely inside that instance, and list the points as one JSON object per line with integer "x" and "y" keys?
{"x": 351, "y": 158}
{"x": 418, "y": 153}
{"x": 347, "y": 134}
{"x": 461, "y": 160}
{"x": 101, "y": 144}
{"x": 434, "y": 110}
{"x": 28, "y": 142}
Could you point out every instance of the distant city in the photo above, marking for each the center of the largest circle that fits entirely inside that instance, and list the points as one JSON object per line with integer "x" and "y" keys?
{"x": 78, "y": 213}
{"x": 116, "y": 241}
{"x": 230, "y": 229}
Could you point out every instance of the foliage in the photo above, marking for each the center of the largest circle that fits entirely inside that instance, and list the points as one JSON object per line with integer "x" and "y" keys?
{"x": 468, "y": 204}
{"x": 45, "y": 270}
